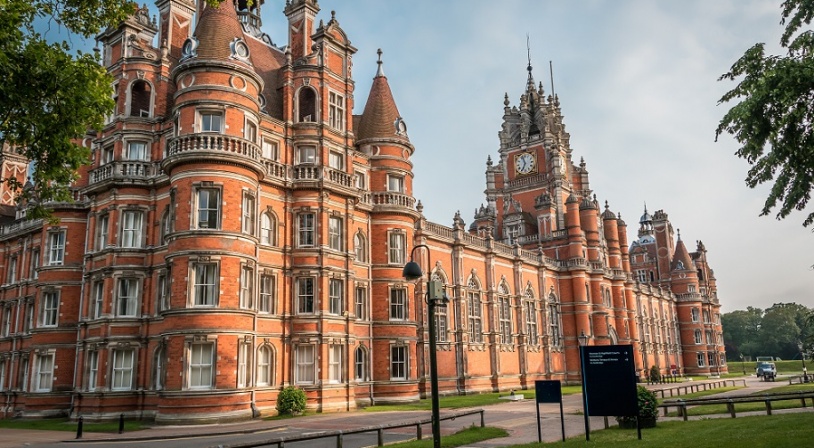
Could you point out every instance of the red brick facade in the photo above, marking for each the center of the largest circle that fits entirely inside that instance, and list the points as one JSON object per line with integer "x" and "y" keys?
{"x": 239, "y": 231}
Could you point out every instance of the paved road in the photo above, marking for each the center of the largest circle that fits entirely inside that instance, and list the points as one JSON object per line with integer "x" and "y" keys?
{"x": 517, "y": 417}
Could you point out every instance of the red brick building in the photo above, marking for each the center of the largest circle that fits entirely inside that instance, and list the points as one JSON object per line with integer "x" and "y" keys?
{"x": 239, "y": 231}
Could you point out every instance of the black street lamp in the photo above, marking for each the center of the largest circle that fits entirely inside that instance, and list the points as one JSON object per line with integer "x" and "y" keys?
{"x": 743, "y": 366}
{"x": 435, "y": 297}
{"x": 583, "y": 341}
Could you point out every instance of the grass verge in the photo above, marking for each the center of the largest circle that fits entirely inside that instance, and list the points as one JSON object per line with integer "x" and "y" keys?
{"x": 463, "y": 437}
{"x": 61, "y": 424}
{"x": 777, "y": 431}
{"x": 710, "y": 409}
{"x": 463, "y": 401}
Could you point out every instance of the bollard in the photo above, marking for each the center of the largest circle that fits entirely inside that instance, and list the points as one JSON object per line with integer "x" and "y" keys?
{"x": 339, "y": 440}
{"x": 121, "y": 423}
{"x": 482, "y": 421}
{"x": 79, "y": 428}
{"x": 684, "y": 411}
{"x": 768, "y": 407}
{"x": 418, "y": 434}
{"x": 730, "y": 406}
{"x": 380, "y": 434}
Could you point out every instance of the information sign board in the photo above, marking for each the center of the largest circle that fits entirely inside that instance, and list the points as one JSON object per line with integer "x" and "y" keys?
{"x": 610, "y": 380}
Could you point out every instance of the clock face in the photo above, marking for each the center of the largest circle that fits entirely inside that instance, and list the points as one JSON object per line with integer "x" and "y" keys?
{"x": 524, "y": 163}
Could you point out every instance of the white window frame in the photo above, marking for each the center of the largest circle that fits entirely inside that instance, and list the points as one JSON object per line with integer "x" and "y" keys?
{"x": 360, "y": 369}
{"x": 45, "y": 372}
{"x": 102, "y": 229}
{"x": 396, "y": 248}
{"x": 399, "y": 363}
{"x": 205, "y": 285}
{"x": 6, "y": 331}
{"x": 305, "y": 364}
{"x": 132, "y": 228}
{"x": 250, "y": 131}
{"x": 49, "y": 311}
{"x": 122, "y": 369}
{"x": 398, "y": 304}
{"x": 361, "y": 180}
{"x": 360, "y": 247}
{"x": 306, "y": 295}
{"x": 336, "y": 160}
{"x": 56, "y": 248}
{"x": 268, "y": 229}
{"x": 695, "y": 314}
{"x": 246, "y": 287}
{"x": 208, "y": 123}
{"x": 243, "y": 363}
{"x": 306, "y": 154}
{"x": 93, "y": 370}
{"x": 475, "y": 315}
{"x": 395, "y": 183}
{"x": 335, "y": 232}
{"x": 336, "y": 296}
{"x": 12, "y": 269}
{"x": 35, "y": 263}
{"x": 267, "y": 294}
{"x": 128, "y": 297}
{"x": 360, "y": 303}
{"x": 505, "y": 319}
{"x": 306, "y": 229}
{"x": 701, "y": 359}
{"x": 270, "y": 149}
{"x": 531, "y": 323}
{"x": 137, "y": 151}
{"x": 205, "y": 211}
{"x": 336, "y": 357}
{"x": 265, "y": 364}
{"x": 97, "y": 304}
{"x": 336, "y": 111}
{"x": 201, "y": 363}
{"x": 249, "y": 209}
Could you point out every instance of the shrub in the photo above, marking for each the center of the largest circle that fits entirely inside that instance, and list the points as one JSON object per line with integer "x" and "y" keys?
{"x": 648, "y": 409}
{"x": 291, "y": 400}
{"x": 655, "y": 376}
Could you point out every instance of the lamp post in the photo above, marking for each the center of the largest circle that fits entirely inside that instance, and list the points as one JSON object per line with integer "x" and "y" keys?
{"x": 583, "y": 341}
{"x": 803, "y": 357}
{"x": 435, "y": 297}
{"x": 743, "y": 366}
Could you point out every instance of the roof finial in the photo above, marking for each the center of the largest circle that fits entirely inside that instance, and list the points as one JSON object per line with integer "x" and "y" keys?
{"x": 379, "y": 70}
{"x": 679, "y": 234}
{"x": 528, "y": 51}
{"x": 645, "y": 207}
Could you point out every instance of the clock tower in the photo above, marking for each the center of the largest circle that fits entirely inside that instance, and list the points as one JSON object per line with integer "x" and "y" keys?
{"x": 527, "y": 189}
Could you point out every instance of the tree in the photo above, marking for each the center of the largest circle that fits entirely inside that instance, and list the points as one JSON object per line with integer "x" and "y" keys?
{"x": 49, "y": 96}
{"x": 773, "y": 120}
{"x": 741, "y": 328}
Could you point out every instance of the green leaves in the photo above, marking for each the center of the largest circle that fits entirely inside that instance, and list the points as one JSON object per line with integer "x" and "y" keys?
{"x": 51, "y": 97}
{"x": 774, "y": 116}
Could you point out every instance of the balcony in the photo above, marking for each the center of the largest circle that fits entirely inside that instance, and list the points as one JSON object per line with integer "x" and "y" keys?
{"x": 130, "y": 170}
{"x": 196, "y": 148}
{"x": 392, "y": 202}
{"x": 316, "y": 176}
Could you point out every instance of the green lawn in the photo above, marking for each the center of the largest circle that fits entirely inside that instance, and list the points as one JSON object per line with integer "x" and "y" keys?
{"x": 464, "y": 401}
{"x": 778, "y": 431}
{"x": 61, "y": 424}
{"x": 746, "y": 407}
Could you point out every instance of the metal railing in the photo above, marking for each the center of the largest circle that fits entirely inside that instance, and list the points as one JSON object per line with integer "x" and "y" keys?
{"x": 339, "y": 435}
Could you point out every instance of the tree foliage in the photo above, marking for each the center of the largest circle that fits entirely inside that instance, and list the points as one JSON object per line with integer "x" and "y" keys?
{"x": 773, "y": 119}
{"x": 775, "y": 331}
{"x": 51, "y": 96}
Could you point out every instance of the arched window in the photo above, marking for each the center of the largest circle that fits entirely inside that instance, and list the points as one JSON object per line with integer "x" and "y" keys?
{"x": 474, "y": 310}
{"x": 360, "y": 247}
{"x": 504, "y": 309}
{"x": 360, "y": 368}
{"x": 307, "y": 104}
{"x": 265, "y": 366}
{"x": 441, "y": 318}
{"x": 695, "y": 314}
{"x": 165, "y": 226}
{"x": 268, "y": 229}
{"x": 554, "y": 327}
{"x": 529, "y": 307}
{"x": 158, "y": 369}
{"x": 698, "y": 339}
{"x": 140, "y": 99}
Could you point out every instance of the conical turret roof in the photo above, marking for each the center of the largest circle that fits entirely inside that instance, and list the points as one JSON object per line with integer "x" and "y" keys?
{"x": 217, "y": 30}
{"x": 681, "y": 258}
{"x": 381, "y": 118}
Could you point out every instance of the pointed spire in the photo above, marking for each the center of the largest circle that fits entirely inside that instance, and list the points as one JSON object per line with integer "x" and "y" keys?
{"x": 681, "y": 258}
{"x": 217, "y": 31}
{"x": 379, "y": 69}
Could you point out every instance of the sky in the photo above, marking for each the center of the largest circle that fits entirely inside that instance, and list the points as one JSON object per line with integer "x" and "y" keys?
{"x": 638, "y": 87}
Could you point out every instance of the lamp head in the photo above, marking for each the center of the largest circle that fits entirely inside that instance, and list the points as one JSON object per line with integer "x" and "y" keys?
{"x": 583, "y": 338}
{"x": 412, "y": 271}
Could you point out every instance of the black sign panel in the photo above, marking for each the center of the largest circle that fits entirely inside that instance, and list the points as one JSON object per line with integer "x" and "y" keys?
{"x": 610, "y": 380}
{"x": 548, "y": 391}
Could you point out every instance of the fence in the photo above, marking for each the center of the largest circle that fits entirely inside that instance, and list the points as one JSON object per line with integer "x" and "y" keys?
{"x": 730, "y": 402}
{"x": 697, "y": 387}
{"x": 280, "y": 442}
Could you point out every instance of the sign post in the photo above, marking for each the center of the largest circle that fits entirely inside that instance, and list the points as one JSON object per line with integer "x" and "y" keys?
{"x": 609, "y": 382}
{"x": 548, "y": 391}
